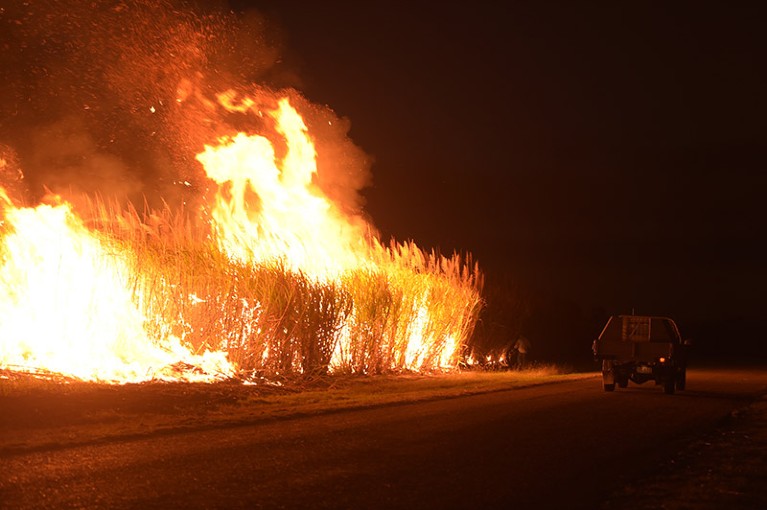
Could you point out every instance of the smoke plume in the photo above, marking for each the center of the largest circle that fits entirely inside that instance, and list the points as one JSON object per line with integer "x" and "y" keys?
{"x": 115, "y": 98}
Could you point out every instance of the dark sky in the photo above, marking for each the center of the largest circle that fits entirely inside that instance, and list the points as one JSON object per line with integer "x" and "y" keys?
{"x": 610, "y": 153}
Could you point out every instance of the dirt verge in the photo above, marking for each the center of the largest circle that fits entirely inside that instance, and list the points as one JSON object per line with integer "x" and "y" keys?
{"x": 41, "y": 414}
{"x": 725, "y": 469}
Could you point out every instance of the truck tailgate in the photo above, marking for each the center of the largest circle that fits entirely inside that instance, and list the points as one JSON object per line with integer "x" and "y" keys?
{"x": 627, "y": 350}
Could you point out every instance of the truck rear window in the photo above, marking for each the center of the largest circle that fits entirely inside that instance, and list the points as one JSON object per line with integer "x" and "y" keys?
{"x": 630, "y": 328}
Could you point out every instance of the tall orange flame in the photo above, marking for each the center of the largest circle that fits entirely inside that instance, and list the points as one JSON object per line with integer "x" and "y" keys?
{"x": 68, "y": 307}
{"x": 265, "y": 211}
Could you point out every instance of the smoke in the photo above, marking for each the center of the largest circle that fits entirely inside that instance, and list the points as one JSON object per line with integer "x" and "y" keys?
{"x": 116, "y": 97}
{"x": 343, "y": 167}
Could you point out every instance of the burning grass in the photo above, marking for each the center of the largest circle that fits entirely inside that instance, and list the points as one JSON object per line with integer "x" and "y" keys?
{"x": 269, "y": 320}
{"x": 275, "y": 281}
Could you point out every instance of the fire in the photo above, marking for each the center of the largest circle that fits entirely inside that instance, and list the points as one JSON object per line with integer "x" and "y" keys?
{"x": 283, "y": 282}
{"x": 264, "y": 212}
{"x": 67, "y": 304}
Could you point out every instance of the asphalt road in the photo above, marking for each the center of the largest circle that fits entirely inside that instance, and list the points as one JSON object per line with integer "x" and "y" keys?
{"x": 562, "y": 445}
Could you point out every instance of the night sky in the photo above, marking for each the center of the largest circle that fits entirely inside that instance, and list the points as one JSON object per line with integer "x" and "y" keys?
{"x": 611, "y": 153}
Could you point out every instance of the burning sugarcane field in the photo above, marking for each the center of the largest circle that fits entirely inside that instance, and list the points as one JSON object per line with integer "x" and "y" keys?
{"x": 245, "y": 255}
{"x": 338, "y": 254}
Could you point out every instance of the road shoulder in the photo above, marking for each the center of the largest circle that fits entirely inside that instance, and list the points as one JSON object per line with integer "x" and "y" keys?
{"x": 48, "y": 415}
{"x": 724, "y": 469}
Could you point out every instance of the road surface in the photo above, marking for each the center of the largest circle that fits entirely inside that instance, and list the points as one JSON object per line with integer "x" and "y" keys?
{"x": 563, "y": 445}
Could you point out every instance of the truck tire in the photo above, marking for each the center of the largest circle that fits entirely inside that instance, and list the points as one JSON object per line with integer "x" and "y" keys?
{"x": 681, "y": 379}
{"x": 669, "y": 386}
{"x": 608, "y": 375}
{"x": 623, "y": 381}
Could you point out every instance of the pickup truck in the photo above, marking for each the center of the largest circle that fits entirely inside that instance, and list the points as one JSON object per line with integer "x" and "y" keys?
{"x": 640, "y": 349}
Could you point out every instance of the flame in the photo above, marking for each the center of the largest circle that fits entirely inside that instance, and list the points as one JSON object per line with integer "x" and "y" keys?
{"x": 68, "y": 306}
{"x": 283, "y": 282}
{"x": 265, "y": 210}
{"x": 268, "y": 210}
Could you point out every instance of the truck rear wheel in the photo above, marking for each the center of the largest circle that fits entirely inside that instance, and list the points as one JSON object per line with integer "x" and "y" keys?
{"x": 608, "y": 375}
{"x": 669, "y": 386}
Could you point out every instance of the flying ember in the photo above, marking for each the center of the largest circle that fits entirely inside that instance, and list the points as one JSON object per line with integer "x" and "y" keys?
{"x": 279, "y": 280}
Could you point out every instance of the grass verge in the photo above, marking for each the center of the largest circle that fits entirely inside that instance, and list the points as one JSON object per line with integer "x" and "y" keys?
{"x": 39, "y": 414}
